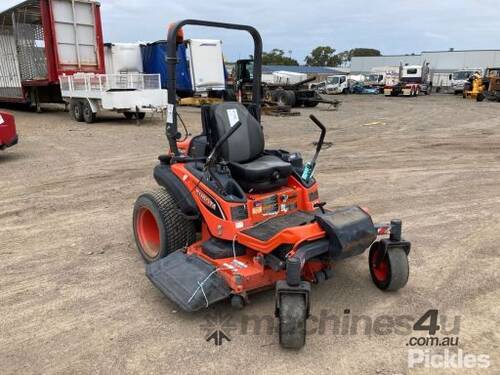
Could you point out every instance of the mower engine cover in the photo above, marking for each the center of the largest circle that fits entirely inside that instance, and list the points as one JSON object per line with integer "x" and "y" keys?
{"x": 350, "y": 231}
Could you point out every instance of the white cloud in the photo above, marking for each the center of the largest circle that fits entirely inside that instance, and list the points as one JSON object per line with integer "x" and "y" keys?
{"x": 297, "y": 25}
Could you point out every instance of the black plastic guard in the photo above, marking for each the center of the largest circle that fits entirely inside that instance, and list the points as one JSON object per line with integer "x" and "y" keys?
{"x": 349, "y": 229}
{"x": 179, "y": 276}
{"x": 166, "y": 178}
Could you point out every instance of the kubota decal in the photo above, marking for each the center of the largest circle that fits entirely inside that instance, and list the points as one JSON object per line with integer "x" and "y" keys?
{"x": 209, "y": 202}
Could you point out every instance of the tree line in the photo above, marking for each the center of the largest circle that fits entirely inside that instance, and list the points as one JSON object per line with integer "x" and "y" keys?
{"x": 319, "y": 56}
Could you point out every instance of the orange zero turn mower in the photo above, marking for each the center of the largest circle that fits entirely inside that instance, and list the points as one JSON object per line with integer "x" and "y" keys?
{"x": 232, "y": 217}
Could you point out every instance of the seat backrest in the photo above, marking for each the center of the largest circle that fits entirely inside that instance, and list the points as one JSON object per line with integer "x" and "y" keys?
{"x": 246, "y": 143}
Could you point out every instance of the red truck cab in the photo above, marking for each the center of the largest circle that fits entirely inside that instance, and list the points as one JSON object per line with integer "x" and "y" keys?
{"x": 8, "y": 135}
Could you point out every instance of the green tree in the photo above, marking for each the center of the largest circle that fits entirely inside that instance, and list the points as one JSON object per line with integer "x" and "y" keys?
{"x": 364, "y": 52}
{"x": 343, "y": 57}
{"x": 277, "y": 57}
{"x": 322, "y": 56}
{"x": 346, "y": 56}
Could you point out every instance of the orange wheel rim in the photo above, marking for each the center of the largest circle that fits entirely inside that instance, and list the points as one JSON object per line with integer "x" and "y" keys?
{"x": 148, "y": 232}
{"x": 380, "y": 266}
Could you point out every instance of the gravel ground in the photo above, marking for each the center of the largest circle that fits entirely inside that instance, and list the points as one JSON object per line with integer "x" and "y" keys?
{"x": 74, "y": 298}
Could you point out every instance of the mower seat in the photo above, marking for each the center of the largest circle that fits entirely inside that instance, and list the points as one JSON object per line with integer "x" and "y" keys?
{"x": 253, "y": 169}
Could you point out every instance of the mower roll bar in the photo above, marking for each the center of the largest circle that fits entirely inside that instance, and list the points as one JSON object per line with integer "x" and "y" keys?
{"x": 171, "y": 128}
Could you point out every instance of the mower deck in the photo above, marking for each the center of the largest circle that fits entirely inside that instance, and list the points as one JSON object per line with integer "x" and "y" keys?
{"x": 179, "y": 276}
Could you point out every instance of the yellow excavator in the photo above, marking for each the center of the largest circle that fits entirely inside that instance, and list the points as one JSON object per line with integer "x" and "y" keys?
{"x": 474, "y": 88}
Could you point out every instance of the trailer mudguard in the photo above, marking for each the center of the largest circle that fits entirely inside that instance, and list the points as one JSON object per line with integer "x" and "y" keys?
{"x": 350, "y": 231}
{"x": 164, "y": 177}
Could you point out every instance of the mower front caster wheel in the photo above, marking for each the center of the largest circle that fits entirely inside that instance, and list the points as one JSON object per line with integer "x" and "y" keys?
{"x": 237, "y": 302}
{"x": 292, "y": 316}
{"x": 389, "y": 269}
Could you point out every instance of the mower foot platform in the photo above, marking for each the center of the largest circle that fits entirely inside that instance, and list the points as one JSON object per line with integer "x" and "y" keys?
{"x": 268, "y": 229}
{"x": 188, "y": 281}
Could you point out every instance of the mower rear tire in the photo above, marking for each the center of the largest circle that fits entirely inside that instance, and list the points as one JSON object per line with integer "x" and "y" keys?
{"x": 76, "y": 110}
{"x": 480, "y": 97}
{"x": 292, "y": 320}
{"x": 160, "y": 228}
{"x": 389, "y": 271}
{"x": 88, "y": 114}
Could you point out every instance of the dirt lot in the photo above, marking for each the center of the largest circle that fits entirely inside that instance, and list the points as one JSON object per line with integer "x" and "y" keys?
{"x": 74, "y": 298}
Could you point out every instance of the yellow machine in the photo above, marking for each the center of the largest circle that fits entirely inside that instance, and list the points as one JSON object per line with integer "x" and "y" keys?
{"x": 474, "y": 89}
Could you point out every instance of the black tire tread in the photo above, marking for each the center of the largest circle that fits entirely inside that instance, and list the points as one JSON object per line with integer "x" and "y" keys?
{"x": 399, "y": 268}
{"x": 76, "y": 103}
{"x": 292, "y": 320}
{"x": 179, "y": 231}
{"x": 90, "y": 118}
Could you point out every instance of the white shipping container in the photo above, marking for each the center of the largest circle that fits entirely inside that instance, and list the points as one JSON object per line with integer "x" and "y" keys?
{"x": 288, "y": 78}
{"x": 123, "y": 58}
{"x": 206, "y": 65}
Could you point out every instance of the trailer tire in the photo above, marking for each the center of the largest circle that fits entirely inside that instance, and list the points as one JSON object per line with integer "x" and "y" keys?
{"x": 274, "y": 94}
{"x": 141, "y": 115}
{"x": 281, "y": 98}
{"x": 88, "y": 114}
{"x": 128, "y": 115}
{"x": 291, "y": 98}
{"x": 76, "y": 110}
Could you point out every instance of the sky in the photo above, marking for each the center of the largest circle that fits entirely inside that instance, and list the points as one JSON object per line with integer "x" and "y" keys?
{"x": 392, "y": 26}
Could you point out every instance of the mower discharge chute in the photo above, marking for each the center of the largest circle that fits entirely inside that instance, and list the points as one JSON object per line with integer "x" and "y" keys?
{"x": 232, "y": 217}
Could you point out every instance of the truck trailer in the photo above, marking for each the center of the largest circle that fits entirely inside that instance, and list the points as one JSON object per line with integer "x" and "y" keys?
{"x": 281, "y": 93}
{"x": 413, "y": 80}
{"x": 41, "y": 40}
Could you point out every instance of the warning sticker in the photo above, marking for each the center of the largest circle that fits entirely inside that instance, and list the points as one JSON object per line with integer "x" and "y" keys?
{"x": 170, "y": 113}
{"x": 232, "y": 115}
{"x": 1, "y": 120}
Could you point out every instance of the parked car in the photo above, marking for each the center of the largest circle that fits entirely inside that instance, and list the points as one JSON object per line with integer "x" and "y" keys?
{"x": 360, "y": 88}
{"x": 8, "y": 135}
